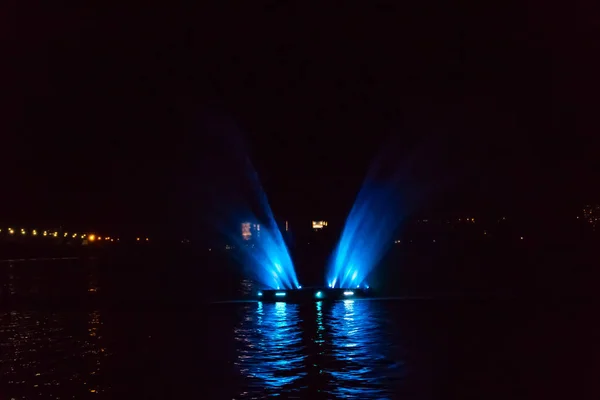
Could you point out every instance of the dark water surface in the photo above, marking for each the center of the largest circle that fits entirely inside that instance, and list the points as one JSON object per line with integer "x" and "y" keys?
{"x": 62, "y": 337}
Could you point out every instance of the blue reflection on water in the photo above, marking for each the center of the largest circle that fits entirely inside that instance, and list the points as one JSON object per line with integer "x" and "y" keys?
{"x": 362, "y": 356}
{"x": 345, "y": 349}
{"x": 270, "y": 352}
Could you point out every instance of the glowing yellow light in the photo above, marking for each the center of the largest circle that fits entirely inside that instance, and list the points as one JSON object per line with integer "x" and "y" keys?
{"x": 23, "y": 232}
{"x": 246, "y": 230}
{"x": 11, "y": 231}
{"x": 55, "y": 234}
{"x": 34, "y": 232}
{"x": 45, "y": 233}
{"x": 66, "y": 233}
{"x": 107, "y": 238}
{"x": 319, "y": 224}
{"x": 138, "y": 239}
{"x": 74, "y": 235}
{"x": 99, "y": 237}
{"x": 147, "y": 239}
{"x": 92, "y": 237}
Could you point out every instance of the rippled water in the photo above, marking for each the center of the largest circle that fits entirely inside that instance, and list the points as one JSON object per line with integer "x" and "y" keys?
{"x": 86, "y": 345}
{"x": 341, "y": 349}
{"x": 53, "y": 355}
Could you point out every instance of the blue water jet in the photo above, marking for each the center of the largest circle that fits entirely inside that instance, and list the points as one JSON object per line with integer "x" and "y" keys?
{"x": 367, "y": 234}
{"x": 392, "y": 189}
{"x": 240, "y": 210}
{"x": 380, "y": 206}
{"x": 266, "y": 258}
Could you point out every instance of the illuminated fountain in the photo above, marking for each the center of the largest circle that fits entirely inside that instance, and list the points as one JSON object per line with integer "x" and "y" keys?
{"x": 369, "y": 230}
{"x": 240, "y": 209}
{"x": 266, "y": 257}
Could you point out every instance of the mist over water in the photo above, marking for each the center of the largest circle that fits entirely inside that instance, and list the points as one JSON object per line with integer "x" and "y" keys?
{"x": 237, "y": 202}
{"x": 378, "y": 210}
{"x": 395, "y": 186}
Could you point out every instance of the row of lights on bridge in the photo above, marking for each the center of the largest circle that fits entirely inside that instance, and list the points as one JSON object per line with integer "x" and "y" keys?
{"x": 91, "y": 237}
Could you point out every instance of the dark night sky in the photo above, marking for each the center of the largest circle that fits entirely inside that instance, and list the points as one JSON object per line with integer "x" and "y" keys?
{"x": 101, "y": 107}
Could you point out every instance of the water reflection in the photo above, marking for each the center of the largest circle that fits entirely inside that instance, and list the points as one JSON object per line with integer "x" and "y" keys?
{"x": 45, "y": 354}
{"x": 270, "y": 351}
{"x": 365, "y": 363}
{"x": 318, "y": 350}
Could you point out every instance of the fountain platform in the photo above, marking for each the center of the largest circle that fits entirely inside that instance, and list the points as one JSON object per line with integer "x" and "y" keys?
{"x": 312, "y": 294}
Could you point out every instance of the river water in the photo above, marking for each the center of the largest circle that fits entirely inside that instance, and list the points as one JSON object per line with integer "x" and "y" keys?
{"x": 83, "y": 346}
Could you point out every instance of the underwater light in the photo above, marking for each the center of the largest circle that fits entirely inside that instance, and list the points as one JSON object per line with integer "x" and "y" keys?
{"x": 311, "y": 294}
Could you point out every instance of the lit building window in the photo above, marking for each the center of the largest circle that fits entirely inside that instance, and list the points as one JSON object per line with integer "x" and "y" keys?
{"x": 246, "y": 230}
{"x": 319, "y": 224}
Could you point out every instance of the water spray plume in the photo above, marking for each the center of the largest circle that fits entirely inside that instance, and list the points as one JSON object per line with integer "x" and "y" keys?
{"x": 242, "y": 214}
{"x": 389, "y": 193}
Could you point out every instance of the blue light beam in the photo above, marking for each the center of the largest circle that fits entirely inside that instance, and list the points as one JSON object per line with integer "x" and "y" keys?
{"x": 236, "y": 196}
{"x": 367, "y": 235}
{"x": 390, "y": 192}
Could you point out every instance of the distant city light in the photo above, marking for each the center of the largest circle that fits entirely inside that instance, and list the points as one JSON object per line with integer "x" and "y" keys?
{"x": 318, "y": 295}
{"x": 246, "y": 231}
{"x": 92, "y": 237}
{"x": 34, "y": 232}
{"x": 348, "y": 293}
{"x": 259, "y": 294}
{"x": 280, "y": 294}
{"x": 318, "y": 224}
